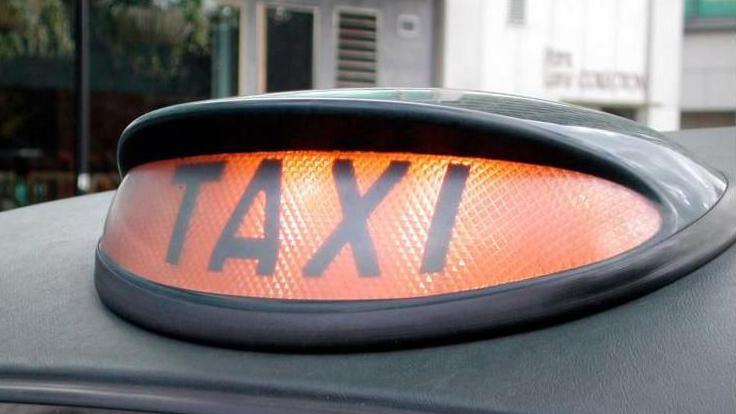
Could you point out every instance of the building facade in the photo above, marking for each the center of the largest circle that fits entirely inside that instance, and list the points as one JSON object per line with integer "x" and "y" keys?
{"x": 320, "y": 44}
{"x": 620, "y": 56}
{"x": 709, "y": 64}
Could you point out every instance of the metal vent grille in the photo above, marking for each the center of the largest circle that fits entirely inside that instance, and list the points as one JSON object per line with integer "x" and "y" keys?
{"x": 356, "y": 49}
{"x": 517, "y": 11}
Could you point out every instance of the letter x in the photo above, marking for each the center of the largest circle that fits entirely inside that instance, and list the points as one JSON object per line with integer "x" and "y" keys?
{"x": 355, "y": 211}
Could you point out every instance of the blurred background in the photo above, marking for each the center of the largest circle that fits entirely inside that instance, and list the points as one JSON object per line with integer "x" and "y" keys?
{"x": 74, "y": 73}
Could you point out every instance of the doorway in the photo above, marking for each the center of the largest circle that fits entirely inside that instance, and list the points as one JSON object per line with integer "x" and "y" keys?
{"x": 288, "y": 42}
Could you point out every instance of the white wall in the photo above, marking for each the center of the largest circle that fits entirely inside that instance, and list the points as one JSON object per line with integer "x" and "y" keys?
{"x": 709, "y": 71}
{"x": 592, "y": 52}
{"x": 663, "y": 108}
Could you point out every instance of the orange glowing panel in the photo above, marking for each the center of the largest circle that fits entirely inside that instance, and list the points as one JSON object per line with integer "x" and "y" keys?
{"x": 309, "y": 225}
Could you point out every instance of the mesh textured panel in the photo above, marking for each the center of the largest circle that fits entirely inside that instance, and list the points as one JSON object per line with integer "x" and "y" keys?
{"x": 514, "y": 222}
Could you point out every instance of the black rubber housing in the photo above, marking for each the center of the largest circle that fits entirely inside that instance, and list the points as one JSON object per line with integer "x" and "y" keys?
{"x": 692, "y": 231}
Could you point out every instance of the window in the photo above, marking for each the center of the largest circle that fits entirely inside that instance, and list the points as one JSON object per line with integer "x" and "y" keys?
{"x": 142, "y": 55}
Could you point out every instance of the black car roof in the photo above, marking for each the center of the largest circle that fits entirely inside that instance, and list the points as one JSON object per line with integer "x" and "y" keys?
{"x": 671, "y": 350}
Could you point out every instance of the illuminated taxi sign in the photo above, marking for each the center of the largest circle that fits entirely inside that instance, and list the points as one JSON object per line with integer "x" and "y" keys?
{"x": 345, "y": 226}
{"x": 354, "y": 218}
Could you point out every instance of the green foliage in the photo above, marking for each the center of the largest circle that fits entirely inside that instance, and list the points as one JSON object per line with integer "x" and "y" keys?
{"x": 39, "y": 28}
{"x": 155, "y": 36}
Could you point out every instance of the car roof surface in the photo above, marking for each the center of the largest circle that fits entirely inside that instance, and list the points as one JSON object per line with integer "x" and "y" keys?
{"x": 671, "y": 350}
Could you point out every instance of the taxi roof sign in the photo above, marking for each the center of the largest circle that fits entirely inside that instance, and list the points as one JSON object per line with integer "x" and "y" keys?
{"x": 358, "y": 217}
{"x": 357, "y": 226}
